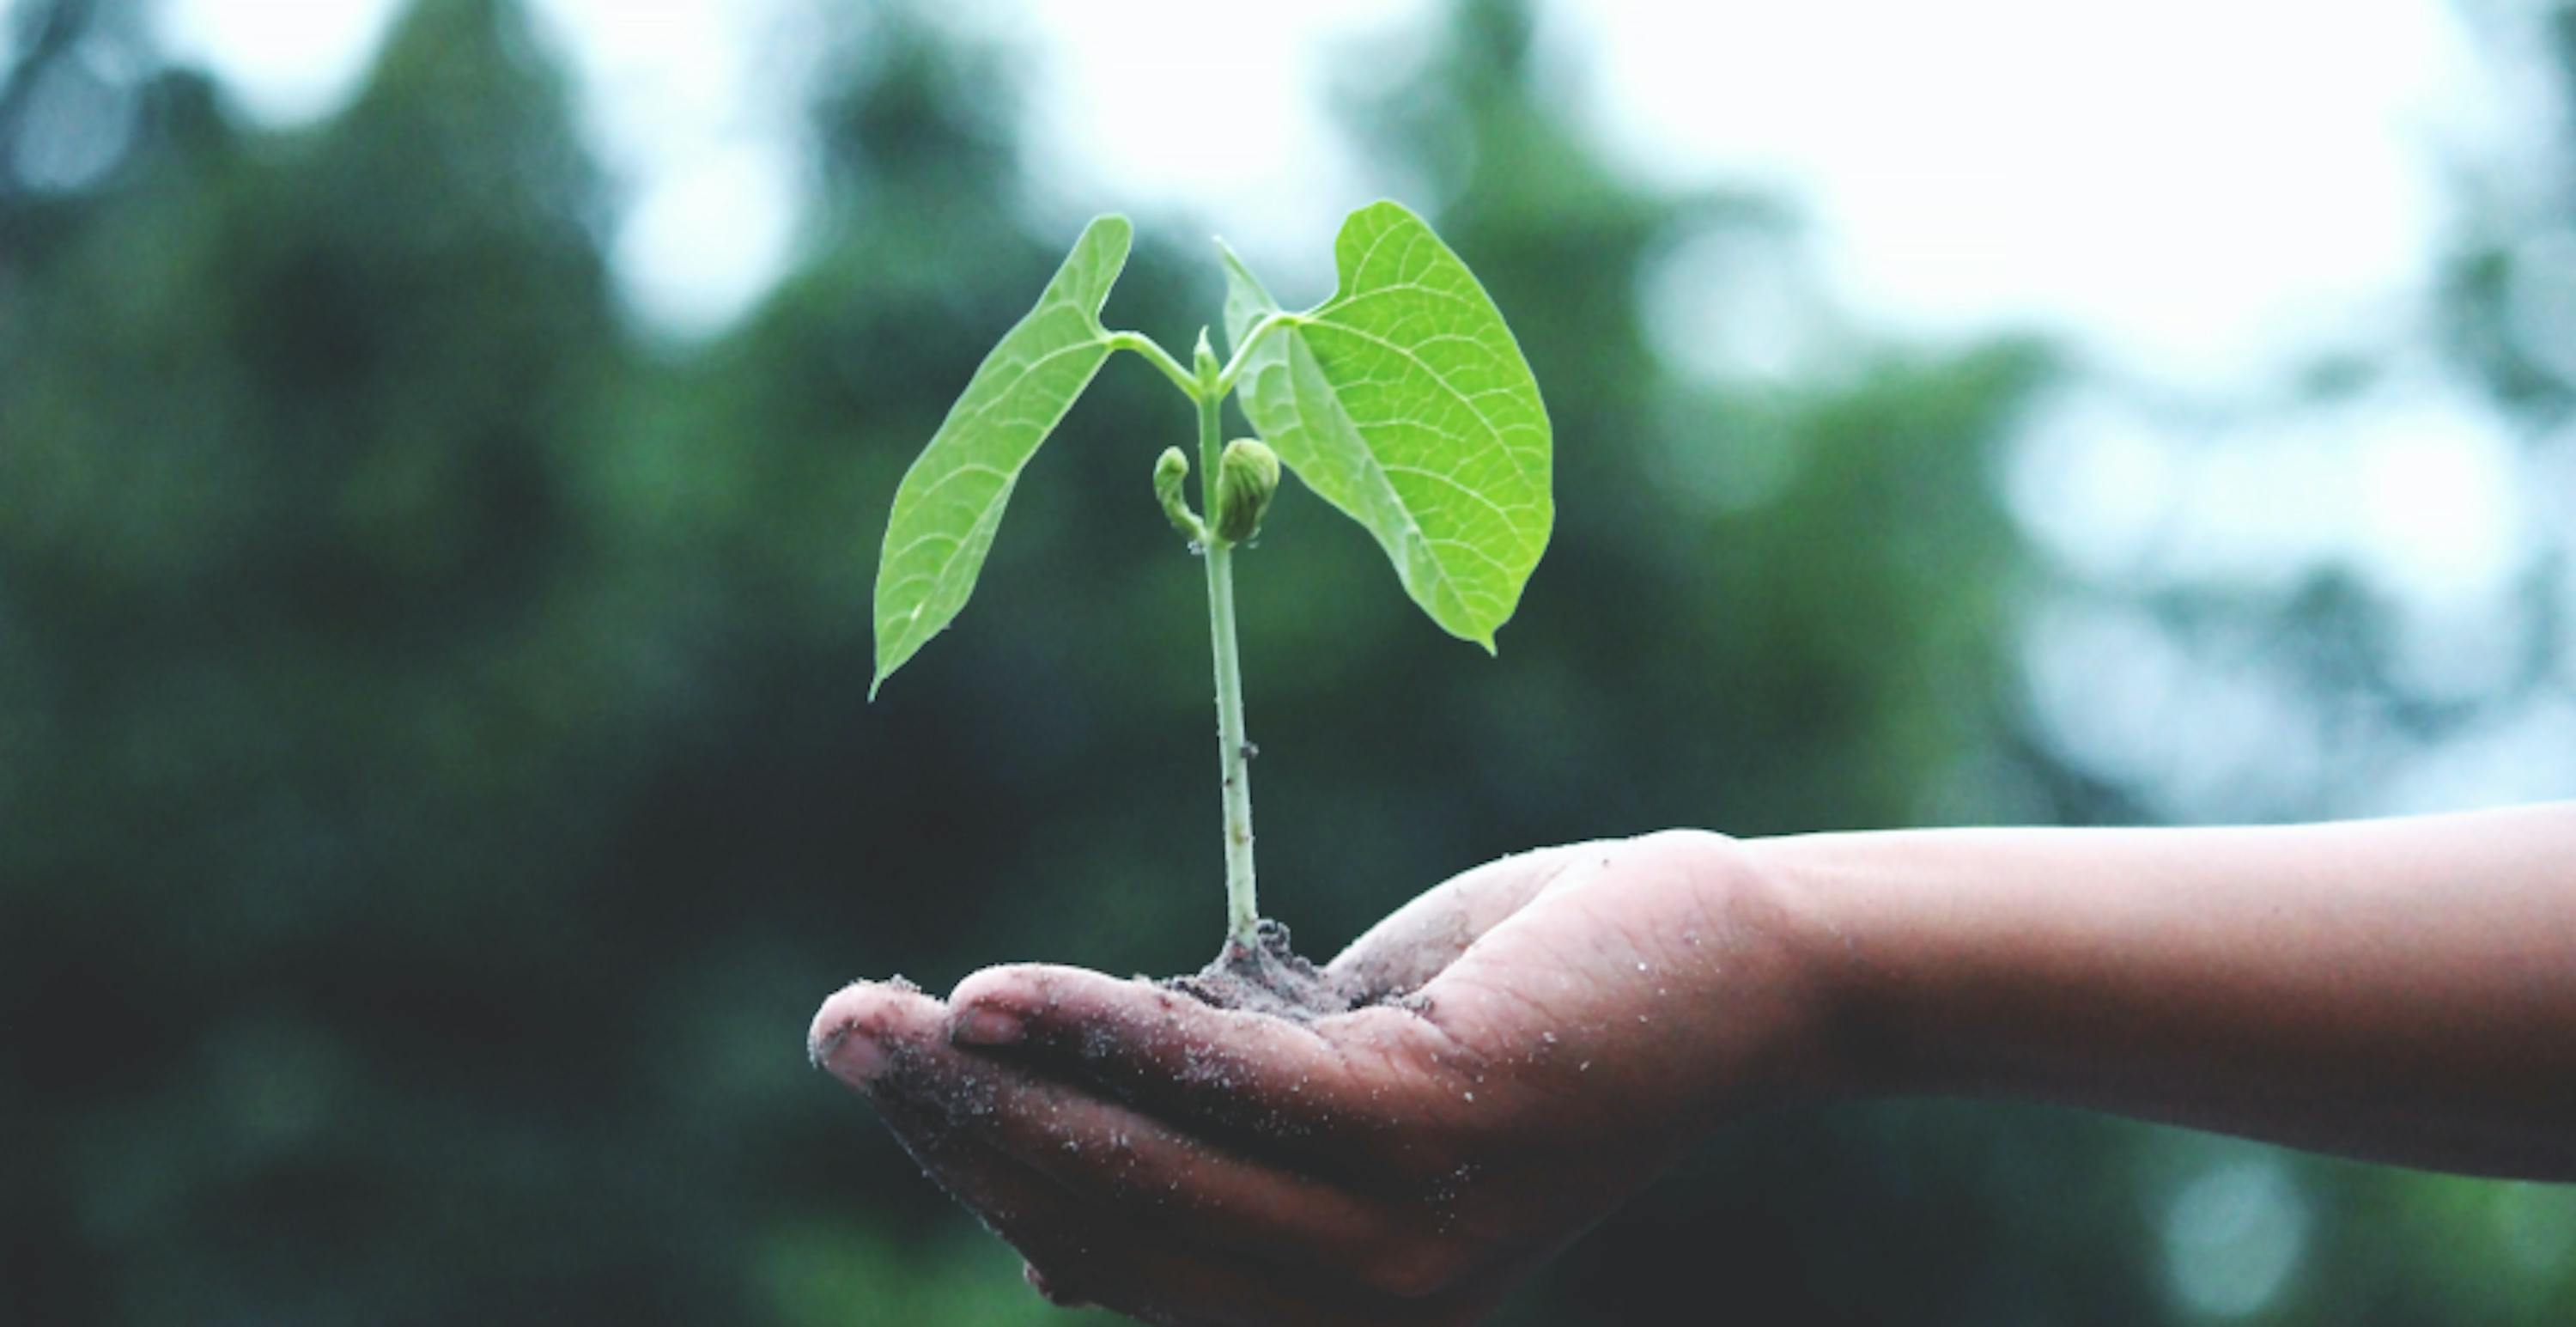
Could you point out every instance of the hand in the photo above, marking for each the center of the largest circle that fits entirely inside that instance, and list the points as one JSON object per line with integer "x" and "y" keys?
{"x": 1555, "y": 1028}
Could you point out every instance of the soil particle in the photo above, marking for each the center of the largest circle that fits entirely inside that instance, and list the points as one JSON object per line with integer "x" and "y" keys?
{"x": 1271, "y": 978}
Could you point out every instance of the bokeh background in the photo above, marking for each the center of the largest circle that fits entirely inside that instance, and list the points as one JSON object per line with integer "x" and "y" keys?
{"x": 444, "y": 445}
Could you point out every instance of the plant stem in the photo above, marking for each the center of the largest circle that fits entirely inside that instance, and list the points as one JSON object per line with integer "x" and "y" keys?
{"x": 1234, "y": 751}
{"x": 1269, "y": 323}
{"x": 1161, "y": 360}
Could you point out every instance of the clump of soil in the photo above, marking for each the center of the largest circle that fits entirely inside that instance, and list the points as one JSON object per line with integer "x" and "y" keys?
{"x": 1271, "y": 978}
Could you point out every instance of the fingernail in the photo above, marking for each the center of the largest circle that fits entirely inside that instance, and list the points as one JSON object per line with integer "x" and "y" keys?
{"x": 853, "y": 1055}
{"x": 986, "y": 1026}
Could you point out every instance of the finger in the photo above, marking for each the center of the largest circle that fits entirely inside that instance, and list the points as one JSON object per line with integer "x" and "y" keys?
{"x": 1279, "y": 1087}
{"x": 893, "y": 1043}
{"x": 1414, "y": 943}
{"x": 1081, "y": 1254}
{"x": 1121, "y": 1160}
{"x": 956, "y": 1112}
{"x": 863, "y": 1025}
{"x": 889, "y": 1041}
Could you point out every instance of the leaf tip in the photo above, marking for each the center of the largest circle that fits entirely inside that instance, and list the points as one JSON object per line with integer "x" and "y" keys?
{"x": 1233, "y": 261}
{"x": 887, "y": 662}
{"x": 1114, "y": 229}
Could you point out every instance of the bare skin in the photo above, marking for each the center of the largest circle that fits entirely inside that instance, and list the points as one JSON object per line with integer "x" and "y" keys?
{"x": 2399, "y": 990}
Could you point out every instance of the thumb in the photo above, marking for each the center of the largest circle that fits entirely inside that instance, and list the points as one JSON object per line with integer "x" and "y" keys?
{"x": 1419, "y": 941}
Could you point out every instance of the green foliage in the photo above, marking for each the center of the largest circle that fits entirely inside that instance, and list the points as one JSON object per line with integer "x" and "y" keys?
{"x": 439, "y": 781}
{"x": 1404, "y": 401}
{"x": 952, "y": 498}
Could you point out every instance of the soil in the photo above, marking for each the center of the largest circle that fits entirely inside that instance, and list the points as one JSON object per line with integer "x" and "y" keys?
{"x": 1271, "y": 978}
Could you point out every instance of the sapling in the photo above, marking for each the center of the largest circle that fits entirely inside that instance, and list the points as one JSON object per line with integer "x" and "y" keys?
{"x": 1402, "y": 400}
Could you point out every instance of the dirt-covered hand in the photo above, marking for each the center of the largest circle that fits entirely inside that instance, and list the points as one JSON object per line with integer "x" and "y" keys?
{"x": 1539, "y": 1037}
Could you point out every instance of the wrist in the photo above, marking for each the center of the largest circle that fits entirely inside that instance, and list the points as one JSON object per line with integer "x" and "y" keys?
{"x": 1774, "y": 1005}
{"x": 1818, "y": 884}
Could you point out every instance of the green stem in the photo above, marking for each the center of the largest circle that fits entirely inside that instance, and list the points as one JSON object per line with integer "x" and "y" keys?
{"x": 1269, "y": 323}
{"x": 1161, "y": 359}
{"x": 1234, "y": 750}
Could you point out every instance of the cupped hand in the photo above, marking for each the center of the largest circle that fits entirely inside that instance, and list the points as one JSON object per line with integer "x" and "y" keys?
{"x": 1545, "y": 1034}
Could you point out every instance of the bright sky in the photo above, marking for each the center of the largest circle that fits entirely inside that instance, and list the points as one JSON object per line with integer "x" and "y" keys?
{"x": 2191, "y": 186}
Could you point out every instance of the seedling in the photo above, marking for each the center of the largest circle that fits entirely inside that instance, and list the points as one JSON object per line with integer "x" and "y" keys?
{"x": 1402, "y": 400}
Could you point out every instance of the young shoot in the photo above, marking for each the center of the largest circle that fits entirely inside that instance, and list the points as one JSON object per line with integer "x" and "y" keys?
{"x": 1403, "y": 401}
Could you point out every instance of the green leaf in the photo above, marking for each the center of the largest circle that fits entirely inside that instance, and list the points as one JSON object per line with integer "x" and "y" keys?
{"x": 1404, "y": 401}
{"x": 950, "y": 501}
{"x": 1246, "y": 301}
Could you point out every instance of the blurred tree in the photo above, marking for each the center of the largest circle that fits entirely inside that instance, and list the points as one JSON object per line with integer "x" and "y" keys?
{"x": 440, "y": 781}
{"x": 308, "y": 707}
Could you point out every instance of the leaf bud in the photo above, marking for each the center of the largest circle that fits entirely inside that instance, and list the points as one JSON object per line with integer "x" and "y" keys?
{"x": 1247, "y": 474}
{"x": 1203, "y": 359}
{"x": 1170, "y": 469}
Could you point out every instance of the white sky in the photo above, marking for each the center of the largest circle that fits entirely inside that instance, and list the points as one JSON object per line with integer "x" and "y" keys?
{"x": 2189, "y": 183}
{"x": 2192, "y": 187}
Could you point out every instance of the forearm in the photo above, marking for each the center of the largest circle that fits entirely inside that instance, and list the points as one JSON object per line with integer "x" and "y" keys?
{"x": 2402, "y": 990}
